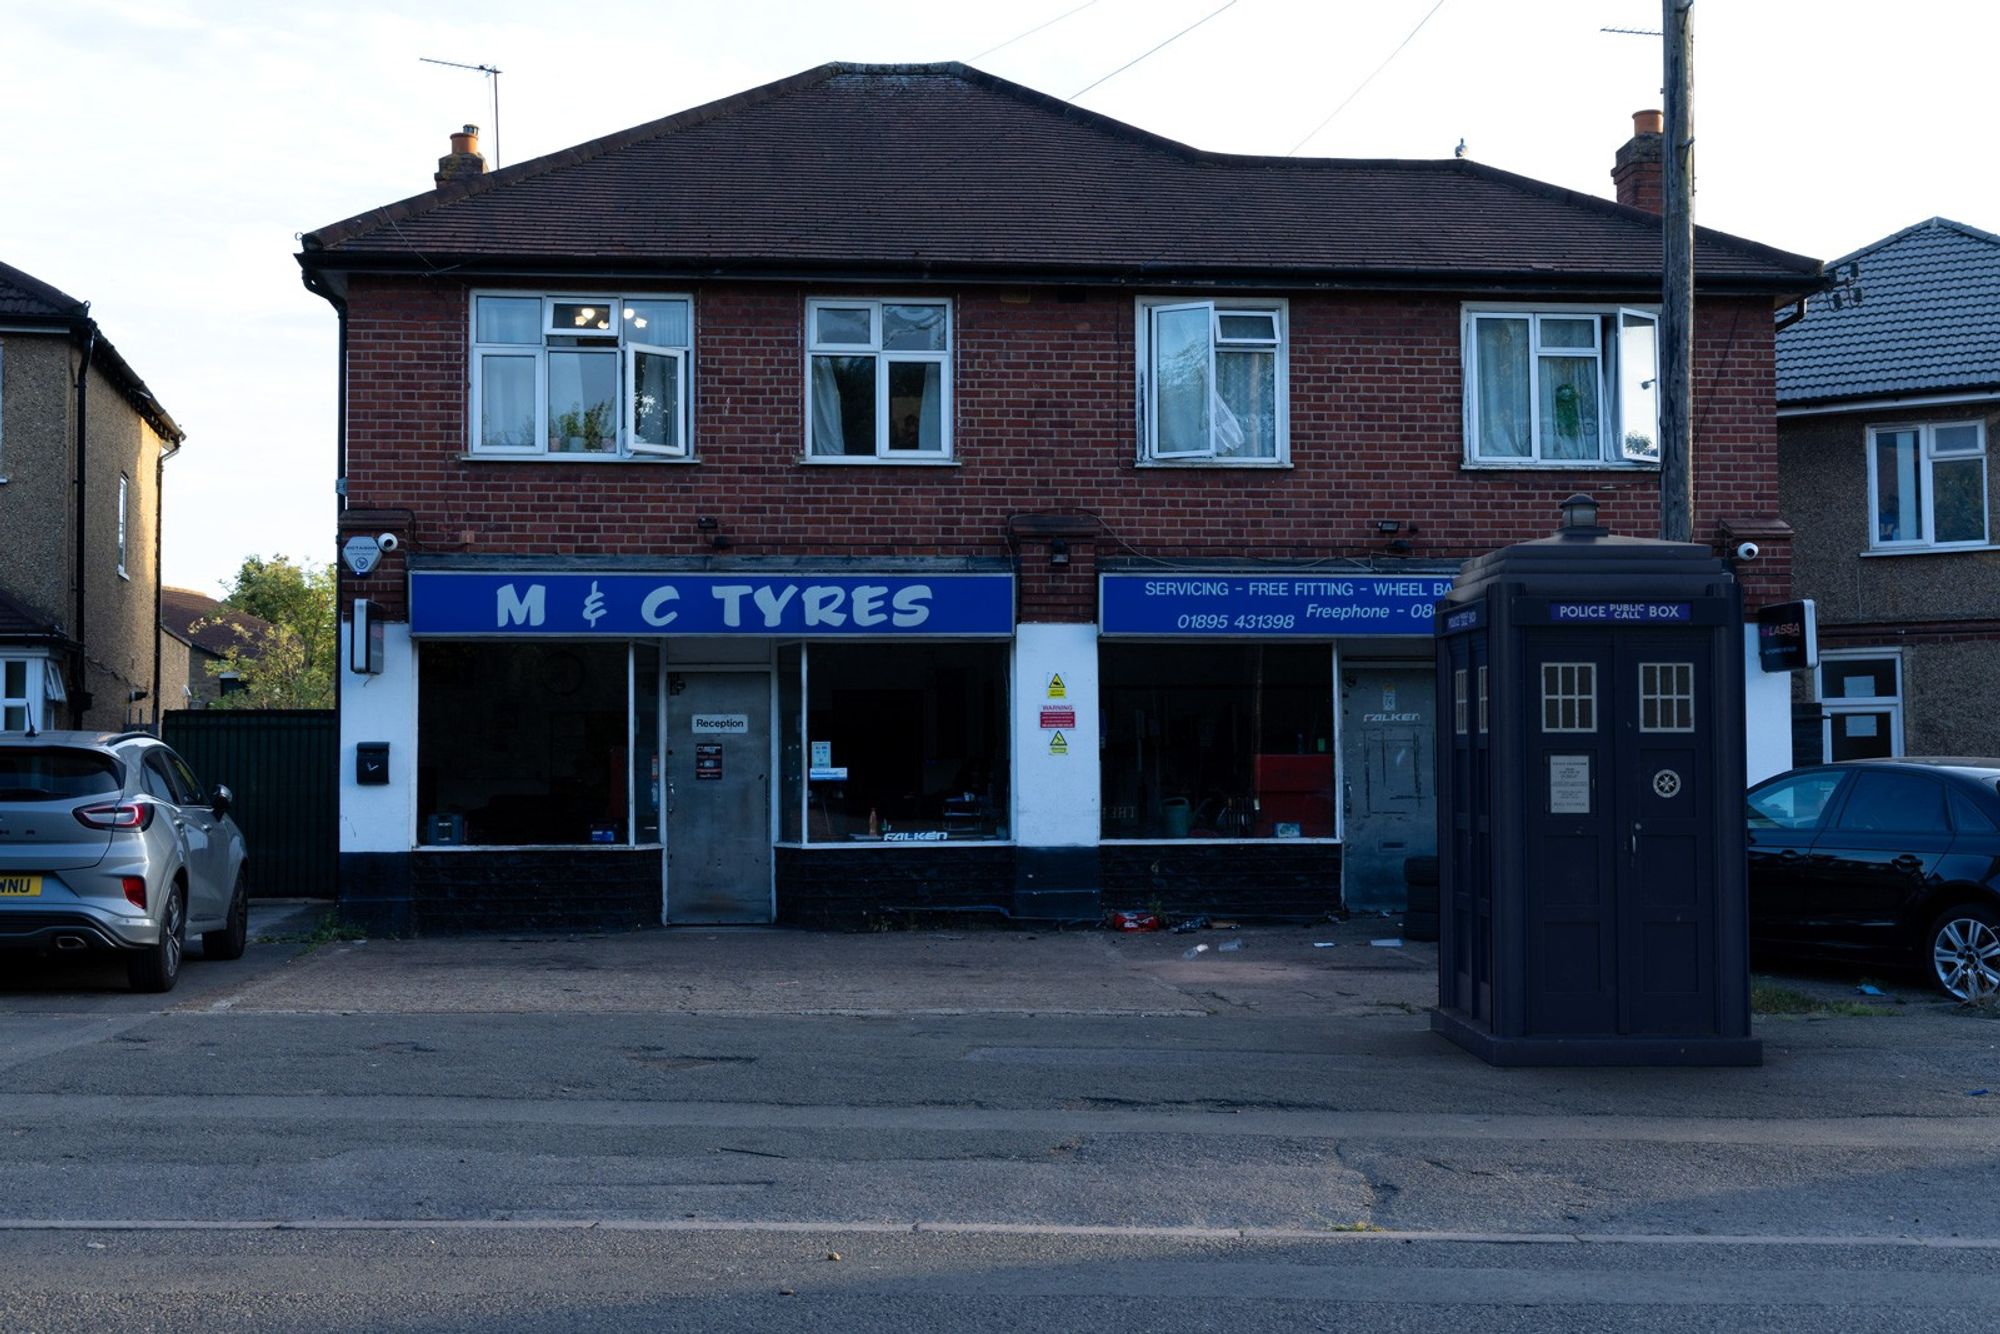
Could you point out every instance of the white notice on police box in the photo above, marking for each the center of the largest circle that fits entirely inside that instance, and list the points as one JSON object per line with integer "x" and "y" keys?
{"x": 1569, "y": 785}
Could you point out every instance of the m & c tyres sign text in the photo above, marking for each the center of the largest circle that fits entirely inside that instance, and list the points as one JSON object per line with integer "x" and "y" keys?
{"x": 463, "y": 603}
{"x": 1318, "y": 605}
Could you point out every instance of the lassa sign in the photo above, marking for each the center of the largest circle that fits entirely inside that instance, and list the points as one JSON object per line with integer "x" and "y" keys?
{"x": 1788, "y": 637}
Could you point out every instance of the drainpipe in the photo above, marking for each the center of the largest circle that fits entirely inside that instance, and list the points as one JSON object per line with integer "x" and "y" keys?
{"x": 159, "y": 572}
{"x": 86, "y": 331}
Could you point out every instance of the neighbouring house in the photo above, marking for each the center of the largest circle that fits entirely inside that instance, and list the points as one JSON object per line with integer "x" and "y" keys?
{"x": 1888, "y": 395}
{"x": 83, "y": 445}
{"x": 1011, "y": 509}
{"x": 198, "y": 630}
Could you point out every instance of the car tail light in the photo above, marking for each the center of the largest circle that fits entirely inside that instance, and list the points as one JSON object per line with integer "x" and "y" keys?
{"x": 117, "y": 815}
{"x": 135, "y": 890}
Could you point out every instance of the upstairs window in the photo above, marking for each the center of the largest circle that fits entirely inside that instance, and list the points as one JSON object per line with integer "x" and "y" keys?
{"x": 124, "y": 515}
{"x": 586, "y": 377}
{"x": 1562, "y": 388}
{"x": 1212, "y": 378}
{"x": 1927, "y": 485}
{"x": 879, "y": 380}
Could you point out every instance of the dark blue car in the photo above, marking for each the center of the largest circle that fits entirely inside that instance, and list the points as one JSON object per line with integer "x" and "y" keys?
{"x": 1890, "y": 862}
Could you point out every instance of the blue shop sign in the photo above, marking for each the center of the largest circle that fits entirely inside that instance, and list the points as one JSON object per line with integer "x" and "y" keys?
{"x": 1318, "y": 605}
{"x": 896, "y": 606}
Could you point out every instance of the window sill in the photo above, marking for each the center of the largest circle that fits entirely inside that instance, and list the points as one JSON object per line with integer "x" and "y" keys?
{"x": 1955, "y": 549}
{"x": 495, "y": 456}
{"x": 873, "y": 461}
{"x": 1227, "y": 465}
{"x": 1564, "y": 465}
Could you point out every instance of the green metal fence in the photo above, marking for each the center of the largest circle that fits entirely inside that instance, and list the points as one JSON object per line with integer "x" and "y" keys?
{"x": 282, "y": 767}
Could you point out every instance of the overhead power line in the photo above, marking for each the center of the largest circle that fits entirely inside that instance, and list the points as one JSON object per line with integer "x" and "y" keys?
{"x": 1370, "y": 79}
{"x": 1032, "y": 31}
{"x": 1143, "y": 54}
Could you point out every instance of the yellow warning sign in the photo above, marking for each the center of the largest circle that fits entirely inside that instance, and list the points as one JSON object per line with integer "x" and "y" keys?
{"x": 1057, "y": 690}
{"x": 1058, "y": 746}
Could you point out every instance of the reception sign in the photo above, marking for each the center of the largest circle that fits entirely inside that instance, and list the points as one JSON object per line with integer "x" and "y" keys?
{"x": 804, "y": 605}
{"x": 1217, "y": 606}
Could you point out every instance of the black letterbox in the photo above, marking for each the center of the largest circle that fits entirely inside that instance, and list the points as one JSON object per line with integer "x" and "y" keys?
{"x": 371, "y": 763}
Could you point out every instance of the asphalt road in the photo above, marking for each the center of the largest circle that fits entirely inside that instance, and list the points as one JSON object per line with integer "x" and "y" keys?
{"x": 677, "y": 1130}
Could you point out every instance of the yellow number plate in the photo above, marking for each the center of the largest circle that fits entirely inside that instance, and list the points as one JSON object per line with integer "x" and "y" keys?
{"x": 20, "y": 886}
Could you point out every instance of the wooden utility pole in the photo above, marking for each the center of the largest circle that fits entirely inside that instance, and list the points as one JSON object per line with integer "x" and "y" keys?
{"x": 1677, "y": 299}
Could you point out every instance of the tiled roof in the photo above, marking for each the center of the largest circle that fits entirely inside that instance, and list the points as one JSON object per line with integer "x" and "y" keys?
{"x": 19, "y": 621}
{"x": 27, "y": 299}
{"x": 24, "y": 294}
{"x": 1927, "y": 321}
{"x": 941, "y": 168}
{"x": 198, "y": 619}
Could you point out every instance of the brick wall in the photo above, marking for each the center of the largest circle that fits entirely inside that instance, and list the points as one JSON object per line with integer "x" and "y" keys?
{"x": 1043, "y": 424}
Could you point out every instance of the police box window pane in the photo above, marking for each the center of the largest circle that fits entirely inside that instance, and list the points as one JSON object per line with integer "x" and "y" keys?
{"x": 1216, "y": 741}
{"x": 1482, "y": 699}
{"x": 522, "y": 743}
{"x": 1569, "y": 697}
{"x": 914, "y": 739}
{"x": 1666, "y": 697}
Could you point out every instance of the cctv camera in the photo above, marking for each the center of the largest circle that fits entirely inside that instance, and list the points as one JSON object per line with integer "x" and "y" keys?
{"x": 1746, "y": 551}
{"x": 388, "y": 542}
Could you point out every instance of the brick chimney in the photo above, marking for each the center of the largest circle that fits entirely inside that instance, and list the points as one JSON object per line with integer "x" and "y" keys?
{"x": 465, "y": 159}
{"x": 1638, "y": 167}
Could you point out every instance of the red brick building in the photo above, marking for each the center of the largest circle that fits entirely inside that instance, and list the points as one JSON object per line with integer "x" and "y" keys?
{"x": 894, "y": 488}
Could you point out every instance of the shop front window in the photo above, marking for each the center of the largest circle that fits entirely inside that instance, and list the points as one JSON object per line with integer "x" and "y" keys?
{"x": 1217, "y": 741}
{"x": 902, "y": 744}
{"x": 532, "y": 743}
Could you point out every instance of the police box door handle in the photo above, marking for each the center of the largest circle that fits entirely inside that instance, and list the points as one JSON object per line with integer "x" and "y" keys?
{"x": 1634, "y": 846}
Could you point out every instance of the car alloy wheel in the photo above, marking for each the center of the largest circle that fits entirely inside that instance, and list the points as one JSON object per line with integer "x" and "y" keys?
{"x": 174, "y": 927}
{"x": 1965, "y": 954}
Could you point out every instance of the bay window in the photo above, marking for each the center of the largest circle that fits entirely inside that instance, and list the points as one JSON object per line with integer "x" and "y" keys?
{"x": 1562, "y": 387}
{"x": 879, "y": 380}
{"x": 589, "y": 377}
{"x": 1212, "y": 376}
{"x": 1927, "y": 485}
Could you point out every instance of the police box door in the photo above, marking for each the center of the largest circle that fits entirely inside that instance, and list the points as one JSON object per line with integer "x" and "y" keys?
{"x": 718, "y": 768}
{"x": 1620, "y": 881}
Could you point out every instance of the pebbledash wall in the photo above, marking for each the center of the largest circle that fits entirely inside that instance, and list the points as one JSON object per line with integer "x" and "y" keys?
{"x": 1042, "y": 484}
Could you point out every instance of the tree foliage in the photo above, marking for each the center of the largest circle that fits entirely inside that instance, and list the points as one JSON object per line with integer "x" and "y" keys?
{"x": 289, "y": 665}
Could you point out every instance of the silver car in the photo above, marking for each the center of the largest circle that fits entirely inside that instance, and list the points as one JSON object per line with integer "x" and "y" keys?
{"x": 109, "y": 842}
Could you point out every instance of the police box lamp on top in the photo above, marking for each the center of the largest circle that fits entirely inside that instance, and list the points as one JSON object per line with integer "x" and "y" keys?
{"x": 1579, "y": 517}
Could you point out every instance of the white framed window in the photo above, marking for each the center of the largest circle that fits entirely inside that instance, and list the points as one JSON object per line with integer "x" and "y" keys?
{"x": 1666, "y": 697}
{"x": 27, "y": 687}
{"x": 1213, "y": 381}
{"x": 1927, "y": 485}
{"x": 1861, "y": 703}
{"x": 581, "y": 375}
{"x": 878, "y": 380}
{"x": 1569, "y": 697}
{"x": 1561, "y": 387}
{"x": 124, "y": 503}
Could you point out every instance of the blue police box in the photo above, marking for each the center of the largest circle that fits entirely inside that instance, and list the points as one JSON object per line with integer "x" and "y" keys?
{"x": 1590, "y": 804}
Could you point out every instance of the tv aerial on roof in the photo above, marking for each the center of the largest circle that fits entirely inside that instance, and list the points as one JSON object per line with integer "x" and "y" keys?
{"x": 493, "y": 83}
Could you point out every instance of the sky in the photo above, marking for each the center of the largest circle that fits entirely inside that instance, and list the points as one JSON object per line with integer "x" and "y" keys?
{"x": 161, "y": 157}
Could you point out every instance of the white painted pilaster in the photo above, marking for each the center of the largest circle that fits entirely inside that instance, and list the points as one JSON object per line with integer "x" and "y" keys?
{"x": 1767, "y": 715}
{"x": 1055, "y": 795}
{"x": 380, "y": 708}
